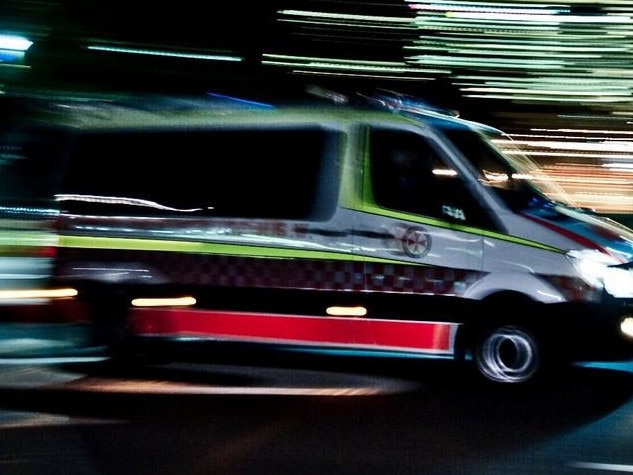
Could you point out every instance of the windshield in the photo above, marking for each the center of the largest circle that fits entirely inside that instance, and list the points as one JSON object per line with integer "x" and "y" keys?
{"x": 504, "y": 167}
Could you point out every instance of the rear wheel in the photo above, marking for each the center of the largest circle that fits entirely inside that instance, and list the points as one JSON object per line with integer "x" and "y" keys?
{"x": 508, "y": 354}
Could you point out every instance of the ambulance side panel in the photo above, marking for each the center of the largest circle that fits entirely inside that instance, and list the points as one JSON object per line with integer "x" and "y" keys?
{"x": 247, "y": 215}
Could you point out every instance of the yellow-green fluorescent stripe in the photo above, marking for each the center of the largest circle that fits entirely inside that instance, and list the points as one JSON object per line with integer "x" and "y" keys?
{"x": 27, "y": 238}
{"x": 371, "y": 209}
{"x": 87, "y": 242}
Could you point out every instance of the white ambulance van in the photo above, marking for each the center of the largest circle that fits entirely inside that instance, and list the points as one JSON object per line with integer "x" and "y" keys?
{"x": 383, "y": 228}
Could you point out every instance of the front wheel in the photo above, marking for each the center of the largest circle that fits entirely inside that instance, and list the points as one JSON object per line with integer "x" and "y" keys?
{"x": 508, "y": 354}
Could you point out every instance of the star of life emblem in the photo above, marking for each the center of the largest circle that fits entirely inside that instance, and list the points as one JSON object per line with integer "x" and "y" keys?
{"x": 415, "y": 242}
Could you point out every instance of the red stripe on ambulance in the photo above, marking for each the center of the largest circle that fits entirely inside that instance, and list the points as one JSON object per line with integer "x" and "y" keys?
{"x": 396, "y": 335}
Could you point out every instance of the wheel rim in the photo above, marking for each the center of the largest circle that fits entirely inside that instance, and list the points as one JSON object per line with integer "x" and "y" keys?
{"x": 508, "y": 355}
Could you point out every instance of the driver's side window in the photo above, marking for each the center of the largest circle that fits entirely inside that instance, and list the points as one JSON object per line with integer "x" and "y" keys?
{"x": 409, "y": 174}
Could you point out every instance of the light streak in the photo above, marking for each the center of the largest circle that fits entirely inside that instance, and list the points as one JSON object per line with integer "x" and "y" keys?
{"x": 14, "y": 43}
{"x": 611, "y": 467}
{"x": 173, "y": 54}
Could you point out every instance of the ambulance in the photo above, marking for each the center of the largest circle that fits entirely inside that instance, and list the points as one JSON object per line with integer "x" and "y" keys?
{"x": 378, "y": 226}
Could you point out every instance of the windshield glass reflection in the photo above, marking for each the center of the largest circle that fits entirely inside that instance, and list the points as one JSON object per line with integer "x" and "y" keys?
{"x": 501, "y": 164}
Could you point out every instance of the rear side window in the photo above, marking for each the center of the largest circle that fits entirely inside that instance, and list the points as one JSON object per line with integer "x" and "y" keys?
{"x": 262, "y": 173}
{"x": 29, "y": 162}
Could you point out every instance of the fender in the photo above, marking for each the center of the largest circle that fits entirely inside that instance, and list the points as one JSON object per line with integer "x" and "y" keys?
{"x": 532, "y": 285}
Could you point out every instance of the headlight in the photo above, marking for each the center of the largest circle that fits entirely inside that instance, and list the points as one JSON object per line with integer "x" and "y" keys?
{"x": 598, "y": 270}
{"x": 591, "y": 265}
{"x": 619, "y": 282}
{"x": 626, "y": 326}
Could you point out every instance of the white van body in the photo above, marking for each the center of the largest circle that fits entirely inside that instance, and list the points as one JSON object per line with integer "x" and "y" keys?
{"x": 288, "y": 226}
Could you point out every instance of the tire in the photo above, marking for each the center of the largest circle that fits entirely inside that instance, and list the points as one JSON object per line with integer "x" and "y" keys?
{"x": 508, "y": 354}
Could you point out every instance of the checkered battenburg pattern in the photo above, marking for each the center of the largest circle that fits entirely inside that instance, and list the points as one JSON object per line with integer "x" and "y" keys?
{"x": 244, "y": 271}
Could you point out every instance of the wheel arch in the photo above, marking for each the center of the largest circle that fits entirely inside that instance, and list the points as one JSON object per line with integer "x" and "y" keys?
{"x": 505, "y": 312}
{"x": 491, "y": 311}
{"x": 498, "y": 285}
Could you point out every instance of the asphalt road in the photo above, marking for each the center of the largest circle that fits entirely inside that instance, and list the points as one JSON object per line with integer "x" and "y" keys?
{"x": 86, "y": 416}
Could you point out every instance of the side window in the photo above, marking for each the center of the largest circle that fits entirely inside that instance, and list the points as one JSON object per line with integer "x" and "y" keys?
{"x": 29, "y": 162}
{"x": 409, "y": 174}
{"x": 261, "y": 173}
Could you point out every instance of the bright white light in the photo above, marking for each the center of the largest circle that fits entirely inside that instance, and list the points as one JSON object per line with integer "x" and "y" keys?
{"x": 37, "y": 294}
{"x": 171, "y": 54}
{"x": 591, "y": 264}
{"x": 626, "y": 326}
{"x": 14, "y": 43}
{"x": 164, "y": 302}
{"x": 495, "y": 177}
{"x": 619, "y": 166}
{"x": 340, "y": 16}
{"x": 594, "y": 267}
{"x": 443, "y": 7}
{"x": 542, "y": 18}
{"x": 444, "y": 172}
{"x": 618, "y": 282}
{"x": 346, "y": 311}
{"x": 113, "y": 200}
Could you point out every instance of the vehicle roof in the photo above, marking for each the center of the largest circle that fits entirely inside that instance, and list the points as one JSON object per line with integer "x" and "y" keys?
{"x": 173, "y": 112}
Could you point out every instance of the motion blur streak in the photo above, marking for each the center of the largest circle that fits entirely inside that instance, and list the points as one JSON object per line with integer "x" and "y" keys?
{"x": 37, "y": 294}
{"x": 611, "y": 467}
{"x": 568, "y": 55}
{"x": 503, "y": 40}
{"x": 164, "y": 387}
{"x": 588, "y": 54}
{"x": 592, "y": 166}
{"x": 175, "y": 54}
{"x": 164, "y": 302}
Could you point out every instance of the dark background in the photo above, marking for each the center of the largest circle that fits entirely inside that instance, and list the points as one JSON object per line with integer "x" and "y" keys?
{"x": 595, "y": 55}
